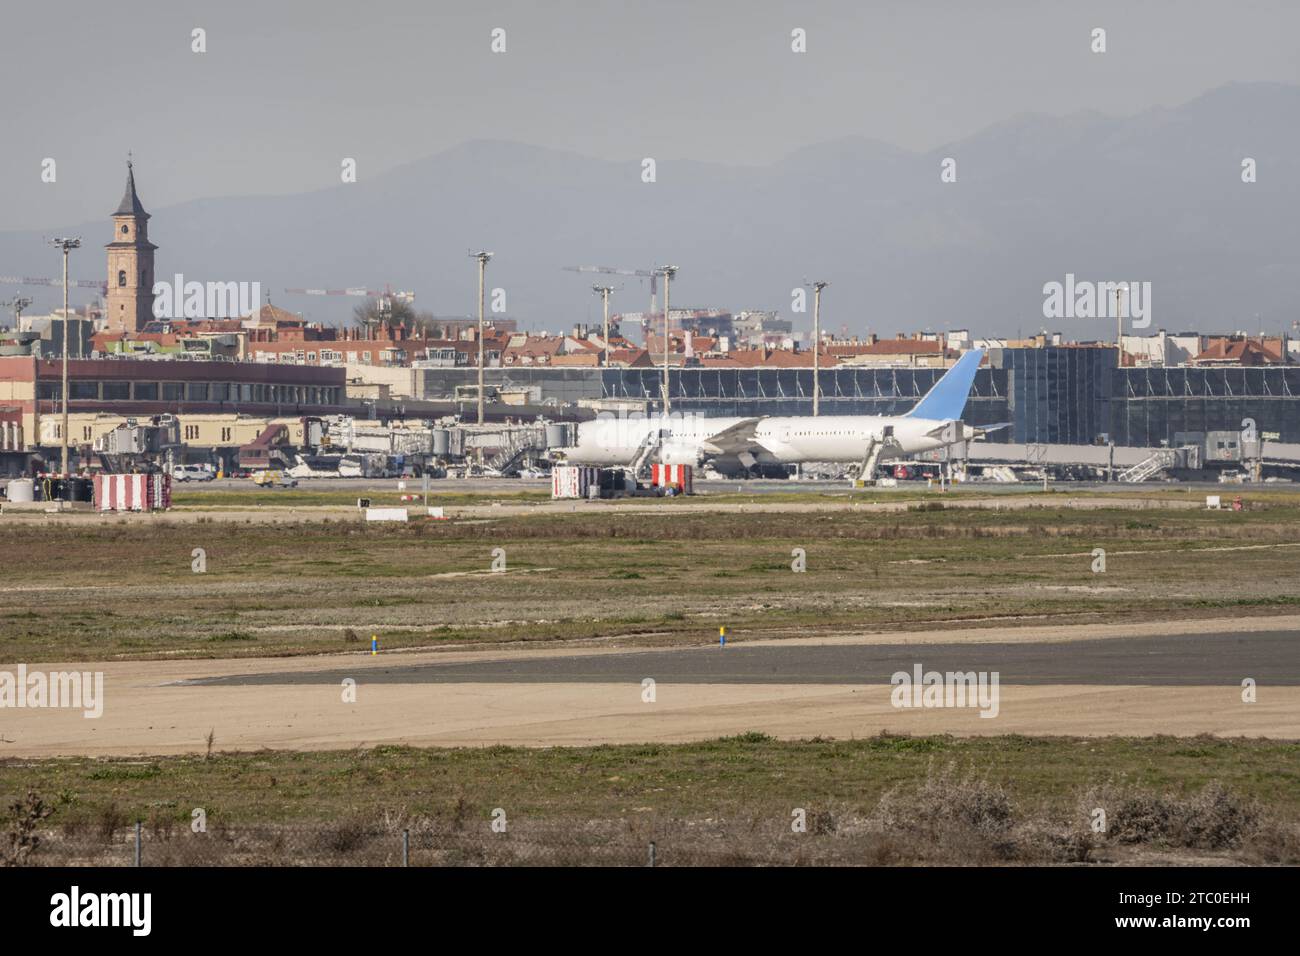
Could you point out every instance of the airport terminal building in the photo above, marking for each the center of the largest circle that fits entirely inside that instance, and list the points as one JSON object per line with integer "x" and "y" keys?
{"x": 31, "y": 404}
{"x": 1057, "y": 394}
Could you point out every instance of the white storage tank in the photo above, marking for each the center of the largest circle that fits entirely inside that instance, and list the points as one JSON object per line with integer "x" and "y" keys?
{"x": 21, "y": 489}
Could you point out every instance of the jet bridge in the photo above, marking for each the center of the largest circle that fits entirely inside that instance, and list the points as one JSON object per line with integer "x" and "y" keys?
{"x": 1120, "y": 462}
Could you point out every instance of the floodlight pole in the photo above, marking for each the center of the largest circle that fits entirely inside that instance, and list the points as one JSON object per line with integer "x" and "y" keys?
{"x": 66, "y": 245}
{"x": 817, "y": 343}
{"x": 603, "y": 291}
{"x": 669, "y": 272}
{"x": 1119, "y": 330}
{"x": 482, "y": 258}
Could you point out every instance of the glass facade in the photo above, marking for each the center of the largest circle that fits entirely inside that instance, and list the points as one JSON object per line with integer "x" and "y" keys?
{"x": 1057, "y": 395}
{"x": 726, "y": 392}
{"x": 770, "y": 391}
{"x": 1066, "y": 395}
{"x": 180, "y": 393}
{"x": 1152, "y": 405}
{"x": 1078, "y": 396}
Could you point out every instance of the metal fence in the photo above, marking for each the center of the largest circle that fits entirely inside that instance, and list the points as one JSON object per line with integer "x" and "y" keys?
{"x": 358, "y": 844}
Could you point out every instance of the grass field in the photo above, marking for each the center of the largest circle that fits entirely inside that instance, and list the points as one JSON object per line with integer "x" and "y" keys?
{"x": 985, "y": 799}
{"x": 730, "y": 776}
{"x": 126, "y": 589}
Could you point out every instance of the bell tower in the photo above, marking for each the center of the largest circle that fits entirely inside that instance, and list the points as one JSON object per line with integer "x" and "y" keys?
{"x": 130, "y": 264}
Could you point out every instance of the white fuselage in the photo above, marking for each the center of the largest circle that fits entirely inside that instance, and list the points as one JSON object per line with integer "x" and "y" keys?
{"x": 783, "y": 440}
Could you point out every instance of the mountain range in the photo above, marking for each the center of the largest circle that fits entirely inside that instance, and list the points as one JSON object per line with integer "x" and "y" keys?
{"x": 1157, "y": 196}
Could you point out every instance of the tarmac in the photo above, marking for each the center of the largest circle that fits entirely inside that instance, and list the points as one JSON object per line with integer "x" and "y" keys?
{"x": 1269, "y": 657}
{"x": 1181, "y": 679}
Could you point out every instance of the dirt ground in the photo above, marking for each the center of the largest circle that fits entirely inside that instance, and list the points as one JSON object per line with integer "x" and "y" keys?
{"x": 148, "y": 710}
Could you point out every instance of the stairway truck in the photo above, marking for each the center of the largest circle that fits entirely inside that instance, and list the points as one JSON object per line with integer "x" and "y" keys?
{"x": 573, "y": 481}
{"x": 678, "y": 477}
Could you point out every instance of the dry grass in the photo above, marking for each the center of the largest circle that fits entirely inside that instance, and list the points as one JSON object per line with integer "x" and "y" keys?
{"x": 883, "y": 800}
{"x": 127, "y": 590}
{"x": 948, "y": 819}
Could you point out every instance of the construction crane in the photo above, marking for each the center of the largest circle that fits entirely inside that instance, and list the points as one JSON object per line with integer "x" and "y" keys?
{"x": 383, "y": 299}
{"x": 636, "y": 273}
{"x": 56, "y": 283}
{"x": 359, "y": 293}
{"x": 18, "y": 304}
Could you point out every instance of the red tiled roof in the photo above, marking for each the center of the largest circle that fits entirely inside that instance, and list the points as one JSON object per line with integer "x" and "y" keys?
{"x": 763, "y": 358}
{"x": 272, "y": 315}
{"x": 631, "y": 357}
{"x": 889, "y": 347}
{"x": 1240, "y": 351}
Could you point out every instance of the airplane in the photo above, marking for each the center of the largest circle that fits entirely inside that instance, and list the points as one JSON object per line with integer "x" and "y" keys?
{"x": 934, "y": 422}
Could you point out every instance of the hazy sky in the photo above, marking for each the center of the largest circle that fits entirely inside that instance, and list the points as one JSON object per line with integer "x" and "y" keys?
{"x": 286, "y": 89}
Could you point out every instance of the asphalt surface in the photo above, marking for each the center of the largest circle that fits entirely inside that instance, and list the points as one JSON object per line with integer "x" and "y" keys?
{"x": 1269, "y": 657}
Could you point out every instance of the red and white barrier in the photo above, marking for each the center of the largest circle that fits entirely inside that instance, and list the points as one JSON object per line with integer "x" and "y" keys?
{"x": 133, "y": 492}
{"x": 680, "y": 477}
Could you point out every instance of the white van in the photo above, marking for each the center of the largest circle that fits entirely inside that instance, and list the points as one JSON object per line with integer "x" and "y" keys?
{"x": 192, "y": 473}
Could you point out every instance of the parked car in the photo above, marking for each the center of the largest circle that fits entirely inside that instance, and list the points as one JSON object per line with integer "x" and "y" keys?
{"x": 192, "y": 473}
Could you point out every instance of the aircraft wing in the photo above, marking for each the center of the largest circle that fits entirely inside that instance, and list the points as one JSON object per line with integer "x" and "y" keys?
{"x": 732, "y": 440}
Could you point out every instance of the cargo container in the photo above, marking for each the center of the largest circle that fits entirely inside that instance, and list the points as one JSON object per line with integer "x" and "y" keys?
{"x": 574, "y": 481}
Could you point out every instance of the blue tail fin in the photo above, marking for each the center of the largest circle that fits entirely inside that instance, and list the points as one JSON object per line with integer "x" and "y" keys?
{"x": 947, "y": 399}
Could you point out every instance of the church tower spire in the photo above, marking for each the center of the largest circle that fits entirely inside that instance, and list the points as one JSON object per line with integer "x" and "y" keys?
{"x": 130, "y": 263}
